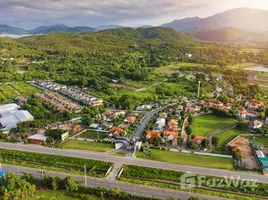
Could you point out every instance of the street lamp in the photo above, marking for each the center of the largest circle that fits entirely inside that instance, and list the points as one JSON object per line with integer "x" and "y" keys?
{"x": 198, "y": 94}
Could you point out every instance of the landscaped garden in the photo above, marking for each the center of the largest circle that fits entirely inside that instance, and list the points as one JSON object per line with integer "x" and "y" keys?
{"x": 207, "y": 124}
{"x": 187, "y": 159}
{"x": 90, "y": 146}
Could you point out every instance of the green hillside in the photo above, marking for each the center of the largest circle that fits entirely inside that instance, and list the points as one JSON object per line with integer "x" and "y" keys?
{"x": 231, "y": 35}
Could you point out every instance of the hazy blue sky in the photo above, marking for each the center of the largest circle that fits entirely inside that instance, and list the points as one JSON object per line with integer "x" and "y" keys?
{"x": 32, "y": 13}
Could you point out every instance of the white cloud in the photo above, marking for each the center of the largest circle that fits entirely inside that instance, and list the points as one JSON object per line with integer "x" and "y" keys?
{"x": 31, "y": 13}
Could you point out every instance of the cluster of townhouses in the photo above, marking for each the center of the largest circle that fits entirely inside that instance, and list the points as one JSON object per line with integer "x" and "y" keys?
{"x": 57, "y": 103}
{"x": 74, "y": 94}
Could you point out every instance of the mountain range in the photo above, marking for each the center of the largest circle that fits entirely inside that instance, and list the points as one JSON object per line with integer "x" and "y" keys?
{"x": 231, "y": 34}
{"x": 244, "y": 18}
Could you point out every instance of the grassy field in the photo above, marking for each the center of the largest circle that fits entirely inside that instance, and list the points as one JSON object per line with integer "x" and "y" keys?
{"x": 206, "y": 124}
{"x": 25, "y": 89}
{"x": 172, "y": 68}
{"x": 187, "y": 159}
{"x": 93, "y": 135}
{"x": 225, "y": 137}
{"x": 90, "y": 146}
{"x": 242, "y": 65}
{"x": 57, "y": 195}
{"x": 7, "y": 92}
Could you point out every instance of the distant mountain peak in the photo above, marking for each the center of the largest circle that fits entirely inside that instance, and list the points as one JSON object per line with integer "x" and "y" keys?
{"x": 246, "y": 18}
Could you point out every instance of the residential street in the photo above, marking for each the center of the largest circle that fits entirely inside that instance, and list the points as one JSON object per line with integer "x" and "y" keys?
{"x": 144, "y": 122}
{"x": 140, "y": 190}
{"x": 132, "y": 161}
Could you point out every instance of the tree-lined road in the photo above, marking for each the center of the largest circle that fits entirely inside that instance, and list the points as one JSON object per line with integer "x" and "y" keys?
{"x": 132, "y": 161}
{"x": 140, "y": 190}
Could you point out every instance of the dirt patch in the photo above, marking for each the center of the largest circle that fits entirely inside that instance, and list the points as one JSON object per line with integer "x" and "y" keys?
{"x": 247, "y": 153}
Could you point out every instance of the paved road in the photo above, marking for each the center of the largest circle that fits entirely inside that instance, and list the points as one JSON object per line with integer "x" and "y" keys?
{"x": 133, "y": 161}
{"x": 140, "y": 190}
{"x": 146, "y": 119}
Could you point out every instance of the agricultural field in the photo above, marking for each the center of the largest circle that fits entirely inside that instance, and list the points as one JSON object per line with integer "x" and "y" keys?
{"x": 25, "y": 89}
{"x": 58, "y": 195}
{"x": 187, "y": 159}
{"x": 8, "y": 92}
{"x": 90, "y": 146}
{"x": 225, "y": 137}
{"x": 207, "y": 124}
{"x": 94, "y": 135}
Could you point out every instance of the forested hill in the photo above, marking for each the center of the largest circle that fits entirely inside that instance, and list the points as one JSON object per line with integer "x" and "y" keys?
{"x": 231, "y": 35}
{"x": 155, "y": 33}
{"x": 114, "y": 39}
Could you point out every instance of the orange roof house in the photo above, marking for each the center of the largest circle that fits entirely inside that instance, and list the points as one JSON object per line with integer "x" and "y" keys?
{"x": 130, "y": 119}
{"x": 115, "y": 131}
{"x": 152, "y": 135}
{"x": 198, "y": 139}
{"x": 173, "y": 122}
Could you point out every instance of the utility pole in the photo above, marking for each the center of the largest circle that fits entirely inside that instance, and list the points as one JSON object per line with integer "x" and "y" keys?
{"x": 19, "y": 171}
{"x": 85, "y": 169}
{"x": 199, "y": 83}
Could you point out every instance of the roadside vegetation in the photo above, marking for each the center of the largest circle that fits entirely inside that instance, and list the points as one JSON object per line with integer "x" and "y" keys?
{"x": 55, "y": 162}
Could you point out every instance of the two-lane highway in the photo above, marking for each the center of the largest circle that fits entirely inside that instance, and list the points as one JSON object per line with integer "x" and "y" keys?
{"x": 140, "y": 190}
{"x": 132, "y": 161}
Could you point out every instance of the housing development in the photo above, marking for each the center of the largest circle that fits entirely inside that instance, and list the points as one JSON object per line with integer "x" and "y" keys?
{"x": 149, "y": 113}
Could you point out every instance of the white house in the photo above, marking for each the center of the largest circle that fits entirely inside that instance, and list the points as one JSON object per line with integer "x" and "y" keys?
{"x": 257, "y": 124}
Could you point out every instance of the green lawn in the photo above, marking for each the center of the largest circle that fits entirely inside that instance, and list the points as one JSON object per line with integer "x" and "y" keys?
{"x": 187, "y": 159}
{"x": 172, "y": 68}
{"x": 225, "y": 137}
{"x": 206, "y": 124}
{"x": 58, "y": 195}
{"x": 90, "y": 134}
{"x": 263, "y": 140}
{"x": 25, "y": 89}
{"x": 7, "y": 92}
{"x": 90, "y": 146}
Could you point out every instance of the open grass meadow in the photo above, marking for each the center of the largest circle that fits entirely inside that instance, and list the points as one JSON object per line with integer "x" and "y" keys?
{"x": 172, "y": 68}
{"x": 207, "y": 124}
{"x": 225, "y": 137}
{"x": 187, "y": 159}
{"x": 90, "y": 146}
{"x": 94, "y": 135}
{"x": 25, "y": 89}
{"x": 58, "y": 195}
